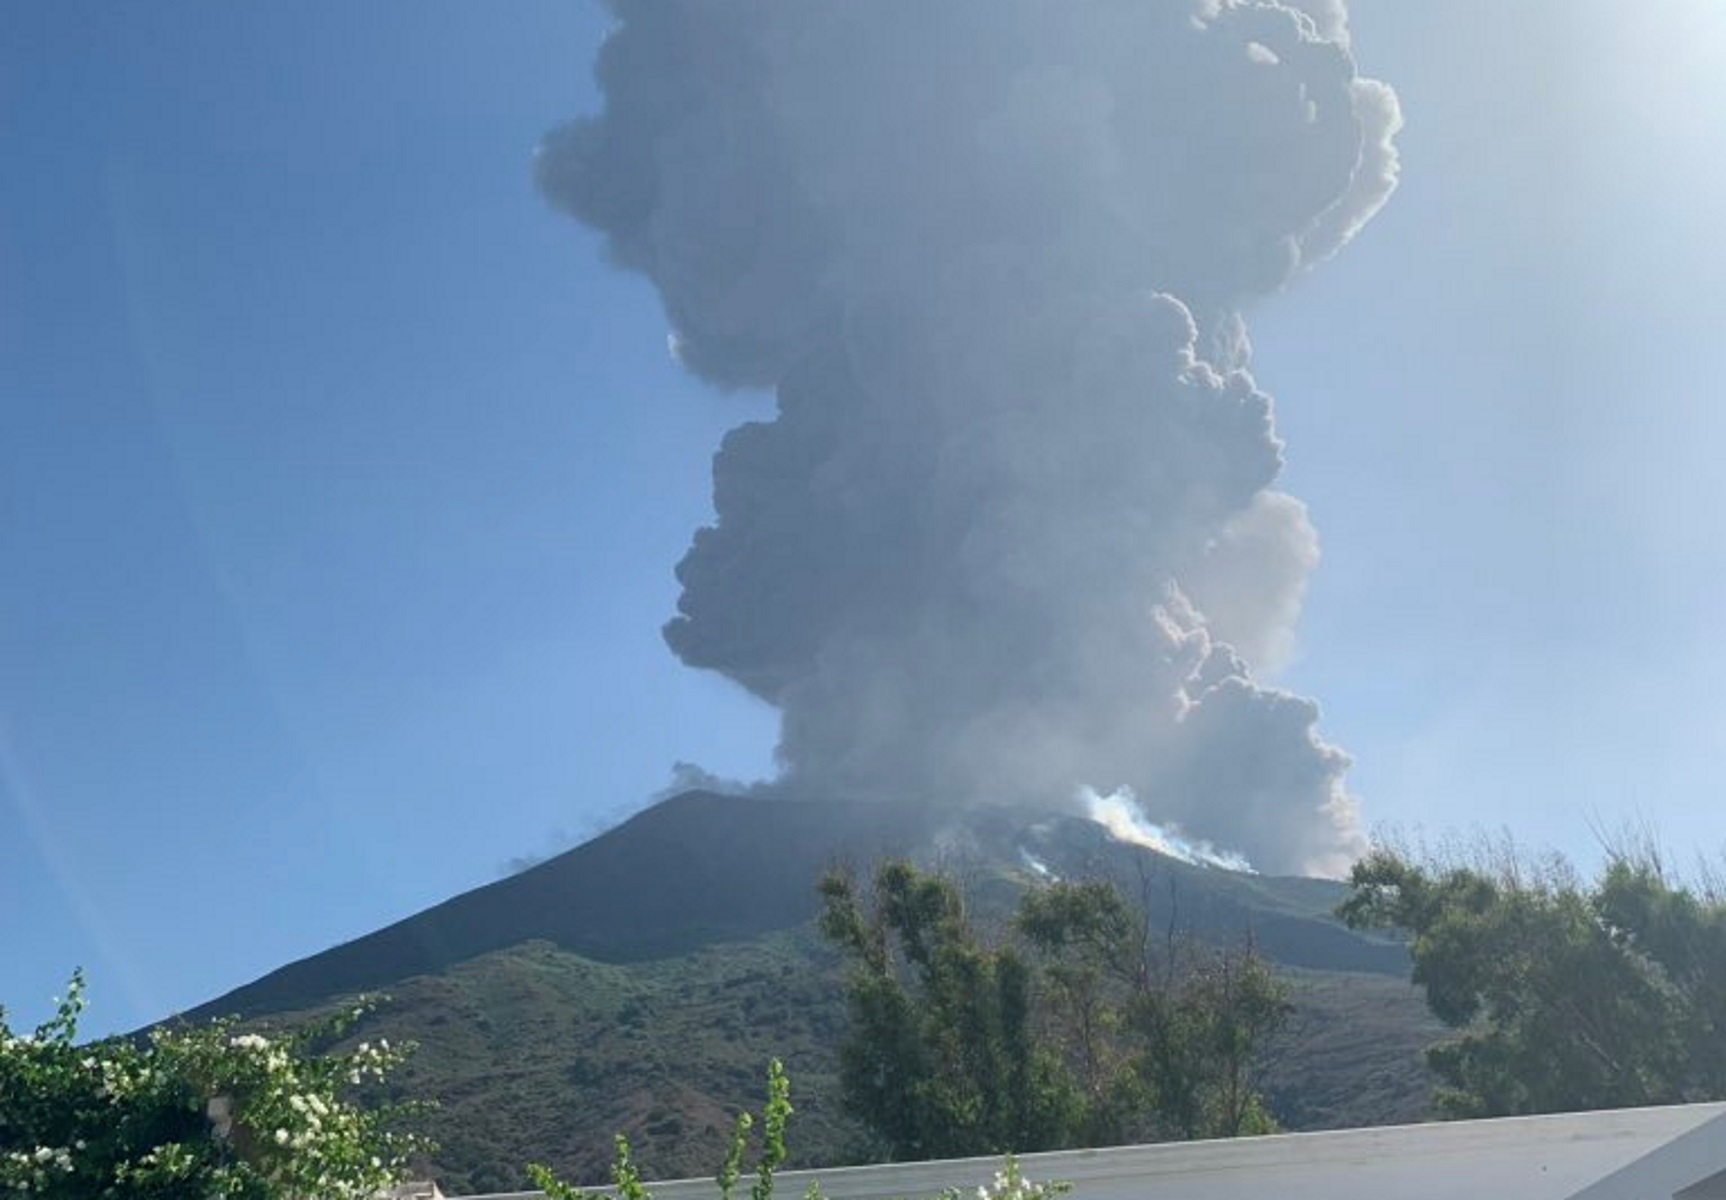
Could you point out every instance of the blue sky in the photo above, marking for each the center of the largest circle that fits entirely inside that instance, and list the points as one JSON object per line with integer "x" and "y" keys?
{"x": 341, "y": 482}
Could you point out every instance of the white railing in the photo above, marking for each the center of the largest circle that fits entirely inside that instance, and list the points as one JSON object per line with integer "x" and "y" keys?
{"x": 1515, "y": 1158}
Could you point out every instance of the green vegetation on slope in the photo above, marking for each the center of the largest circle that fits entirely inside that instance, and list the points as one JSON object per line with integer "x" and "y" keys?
{"x": 537, "y": 1054}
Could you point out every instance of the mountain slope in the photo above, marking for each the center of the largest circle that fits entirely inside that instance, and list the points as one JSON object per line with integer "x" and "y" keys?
{"x": 640, "y": 982}
{"x": 535, "y": 1054}
{"x": 702, "y": 868}
{"x": 696, "y": 869}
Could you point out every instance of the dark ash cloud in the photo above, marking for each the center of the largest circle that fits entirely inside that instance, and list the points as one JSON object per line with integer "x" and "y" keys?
{"x": 1014, "y": 531}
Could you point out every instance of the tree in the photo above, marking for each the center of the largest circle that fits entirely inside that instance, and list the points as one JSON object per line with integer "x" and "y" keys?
{"x": 196, "y": 1112}
{"x": 1566, "y": 996}
{"x": 1165, "y": 1040}
{"x": 1200, "y": 1041}
{"x": 1079, "y": 1034}
{"x": 941, "y": 1061}
{"x": 1091, "y": 950}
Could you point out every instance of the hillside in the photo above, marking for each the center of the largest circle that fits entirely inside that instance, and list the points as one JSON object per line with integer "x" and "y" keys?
{"x": 640, "y": 982}
{"x": 692, "y": 871}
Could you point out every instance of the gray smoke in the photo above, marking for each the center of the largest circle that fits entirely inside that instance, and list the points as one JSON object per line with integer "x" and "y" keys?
{"x": 1013, "y": 532}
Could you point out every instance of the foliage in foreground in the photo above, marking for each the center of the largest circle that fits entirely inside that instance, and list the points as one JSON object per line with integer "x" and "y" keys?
{"x": 1566, "y": 995}
{"x": 208, "y": 1112}
{"x": 1009, "y": 1183}
{"x": 1080, "y": 1031}
{"x": 200, "y": 1112}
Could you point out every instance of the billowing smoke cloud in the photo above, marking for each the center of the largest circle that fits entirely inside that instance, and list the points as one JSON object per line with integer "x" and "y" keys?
{"x": 1014, "y": 530}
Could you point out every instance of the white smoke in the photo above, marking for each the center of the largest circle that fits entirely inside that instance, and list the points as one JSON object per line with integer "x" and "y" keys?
{"x": 1252, "y": 578}
{"x": 1014, "y": 529}
{"x": 1038, "y": 867}
{"x": 1119, "y": 813}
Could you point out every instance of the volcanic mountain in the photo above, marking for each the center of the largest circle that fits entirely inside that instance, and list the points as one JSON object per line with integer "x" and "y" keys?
{"x": 641, "y": 981}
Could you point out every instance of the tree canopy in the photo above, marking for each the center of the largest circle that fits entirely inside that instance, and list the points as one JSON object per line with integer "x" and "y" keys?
{"x": 201, "y": 1111}
{"x": 951, "y": 1067}
{"x": 1071, "y": 1029}
{"x": 1566, "y": 995}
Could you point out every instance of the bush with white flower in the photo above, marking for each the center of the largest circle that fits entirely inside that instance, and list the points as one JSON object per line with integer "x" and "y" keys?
{"x": 1010, "y": 1184}
{"x": 199, "y": 1112}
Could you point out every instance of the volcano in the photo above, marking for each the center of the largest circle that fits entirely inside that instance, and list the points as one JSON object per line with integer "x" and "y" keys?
{"x": 641, "y": 981}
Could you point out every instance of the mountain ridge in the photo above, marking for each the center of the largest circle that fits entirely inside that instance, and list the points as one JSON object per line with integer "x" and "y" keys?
{"x": 677, "y": 876}
{"x": 641, "y": 981}
{"x": 666, "y": 863}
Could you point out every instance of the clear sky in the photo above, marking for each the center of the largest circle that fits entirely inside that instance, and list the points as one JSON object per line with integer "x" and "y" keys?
{"x": 341, "y": 481}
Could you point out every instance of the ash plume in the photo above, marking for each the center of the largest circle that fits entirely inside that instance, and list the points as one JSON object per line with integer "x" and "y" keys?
{"x": 1014, "y": 531}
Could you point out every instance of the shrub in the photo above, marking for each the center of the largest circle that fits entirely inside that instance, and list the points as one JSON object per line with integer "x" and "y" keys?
{"x": 208, "y": 1111}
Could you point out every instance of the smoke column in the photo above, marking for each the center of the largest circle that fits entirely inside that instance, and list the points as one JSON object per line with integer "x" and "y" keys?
{"x": 1014, "y": 532}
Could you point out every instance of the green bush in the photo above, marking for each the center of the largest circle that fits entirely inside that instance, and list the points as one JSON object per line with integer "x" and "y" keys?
{"x": 194, "y": 1112}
